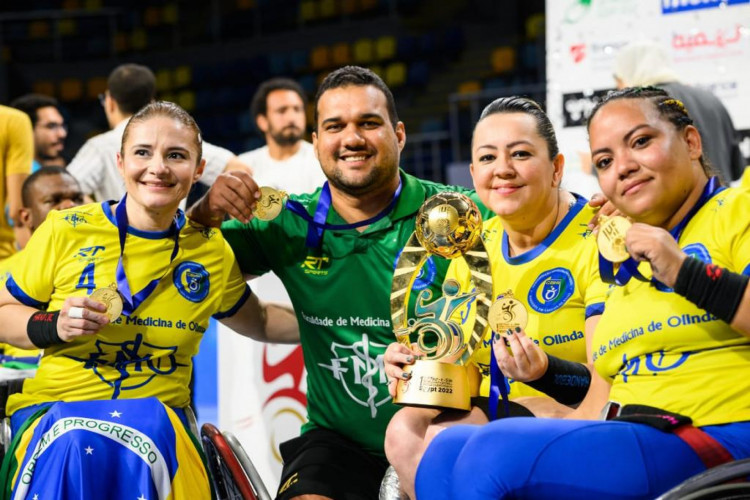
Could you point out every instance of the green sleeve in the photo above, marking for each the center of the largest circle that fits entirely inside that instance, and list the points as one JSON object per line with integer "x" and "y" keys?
{"x": 250, "y": 243}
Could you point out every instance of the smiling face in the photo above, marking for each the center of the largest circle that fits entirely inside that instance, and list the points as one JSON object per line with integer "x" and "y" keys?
{"x": 355, "y": 142}
{"x": 511, "y": 167}
{"x": 159, "y": 163}
{"x": 646, "y": 167}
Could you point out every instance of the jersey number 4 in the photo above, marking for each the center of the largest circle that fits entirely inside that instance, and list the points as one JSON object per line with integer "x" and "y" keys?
{"x": 87, "y": 279}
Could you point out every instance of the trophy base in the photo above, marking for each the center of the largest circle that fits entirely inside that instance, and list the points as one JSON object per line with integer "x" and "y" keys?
{"x": 435, "y": 384}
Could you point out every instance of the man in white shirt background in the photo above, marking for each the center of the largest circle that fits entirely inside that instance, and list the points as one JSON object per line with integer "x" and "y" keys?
{"x": 129, "y": 88}
{"x": 287, "y": 161}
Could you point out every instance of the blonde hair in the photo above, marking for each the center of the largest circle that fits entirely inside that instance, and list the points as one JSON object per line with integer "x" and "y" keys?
{"x": 169, "y": 110}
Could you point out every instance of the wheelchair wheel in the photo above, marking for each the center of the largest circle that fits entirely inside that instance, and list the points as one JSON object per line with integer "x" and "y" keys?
{"x": 736, "y": 491}
{"x": 710, "y": 484}
{"x": 229, "y": 478}
{"x": 252, "y": 473}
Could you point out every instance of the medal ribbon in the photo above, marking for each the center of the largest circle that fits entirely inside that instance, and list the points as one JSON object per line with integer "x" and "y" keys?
{"x": 316, "y": 224}
{"x": 130, "y": 301}
{"x": 629, "y": 268}
{"x": 498, "y": 386}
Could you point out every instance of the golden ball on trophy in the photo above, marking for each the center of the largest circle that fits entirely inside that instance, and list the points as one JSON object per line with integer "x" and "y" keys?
{"x": 448, "y": 224}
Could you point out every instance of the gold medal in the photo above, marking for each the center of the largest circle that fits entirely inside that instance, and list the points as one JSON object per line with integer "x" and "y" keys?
{"x": 507, "y": 313}
{"x": 270, "y": 204}
{"x": 611, "y": 238}
{"x": 110, "y": 297}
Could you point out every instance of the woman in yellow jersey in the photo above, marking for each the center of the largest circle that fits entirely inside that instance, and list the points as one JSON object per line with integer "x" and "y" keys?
{"x": 119, "y": 294}
{"x": 541, "y": 249}
{"x": 673, "y": 342}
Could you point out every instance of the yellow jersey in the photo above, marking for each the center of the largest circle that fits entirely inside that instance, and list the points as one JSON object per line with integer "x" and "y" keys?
{"x": 558, "y": 282}
{"x": 661, "y": 350}
{"x": 147, "y": 353}
{"x": 9, "y": 350}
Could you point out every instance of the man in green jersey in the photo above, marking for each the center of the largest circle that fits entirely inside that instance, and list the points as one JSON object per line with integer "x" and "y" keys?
{"x": 338, "y": 278}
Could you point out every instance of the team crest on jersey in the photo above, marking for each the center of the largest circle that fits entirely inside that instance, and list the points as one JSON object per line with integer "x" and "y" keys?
{"x": 191, "y": 280}
{"x": 551, "y": 290}
{"x": 317, "y": 265}
{"x": 75, "y": 218}
{"x": 361, "y": 372}
{"x": 698, "y": 251}
{"x": 122, "y": 365}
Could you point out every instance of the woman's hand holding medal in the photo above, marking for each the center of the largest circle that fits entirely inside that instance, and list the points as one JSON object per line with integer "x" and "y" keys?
{"x": 604, "y": 208}
{"x": 525, "y": 361}
{"x": 659, "y": 248}
{"x": 81, "y": 316}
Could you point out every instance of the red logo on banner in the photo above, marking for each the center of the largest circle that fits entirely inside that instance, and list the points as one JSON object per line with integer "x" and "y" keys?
{"x": 578, "y": 52}
{"x": 293, "y": 365}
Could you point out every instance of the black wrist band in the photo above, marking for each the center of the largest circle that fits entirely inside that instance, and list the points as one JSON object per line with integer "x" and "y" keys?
{"x": 42, "y": 329}
{"x": 712, "y": 288}
{"x": 567, "y": 382}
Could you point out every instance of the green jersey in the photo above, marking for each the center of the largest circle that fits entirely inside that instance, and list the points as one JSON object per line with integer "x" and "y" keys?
{"x": 341, "y": 295}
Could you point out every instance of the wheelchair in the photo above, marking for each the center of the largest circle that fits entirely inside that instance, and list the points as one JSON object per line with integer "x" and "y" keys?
{"x": 7, "y": 387}
{"x": 728, "y": 481}
{"x": 233, "y": 474}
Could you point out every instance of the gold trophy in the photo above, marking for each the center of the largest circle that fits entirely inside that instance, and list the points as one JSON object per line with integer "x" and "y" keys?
{"x": 448, "y": 225}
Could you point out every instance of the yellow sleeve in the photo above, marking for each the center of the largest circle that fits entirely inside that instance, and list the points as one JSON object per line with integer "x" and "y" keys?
{"x": 595, "y": 289}
{"x": 31, "y": 279}
{"x": 235, "y": 290}
{"x": 20, "y": 145}
{"x": 745, "y": 181}
{"x": 736, "y": 227}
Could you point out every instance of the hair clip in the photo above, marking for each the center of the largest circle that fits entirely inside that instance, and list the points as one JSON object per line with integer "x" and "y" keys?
{"x": 674, "y": 102}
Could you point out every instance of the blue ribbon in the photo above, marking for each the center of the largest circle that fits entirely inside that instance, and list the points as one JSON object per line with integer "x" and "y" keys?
{"x": 316, "y": 224}
{"x": 629, "y": 268}
{"x": 130, "y": 301}
{"x": 498, "y": 385}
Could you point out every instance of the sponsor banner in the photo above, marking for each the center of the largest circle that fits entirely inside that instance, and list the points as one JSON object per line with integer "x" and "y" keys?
{"x": 709, "y": 47}
{"x": 577, "y": 106}
{"x": 675, "y": 6}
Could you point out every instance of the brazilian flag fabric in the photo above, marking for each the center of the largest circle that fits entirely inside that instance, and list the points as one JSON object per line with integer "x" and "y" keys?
{"x": 129, "y": 449}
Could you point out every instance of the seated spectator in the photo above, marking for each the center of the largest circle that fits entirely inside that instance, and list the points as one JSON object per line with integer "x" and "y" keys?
{"x": 49, "y": 188}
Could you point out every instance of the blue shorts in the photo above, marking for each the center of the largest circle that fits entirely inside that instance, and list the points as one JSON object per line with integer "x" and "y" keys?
{"x": 560, "y": 459}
